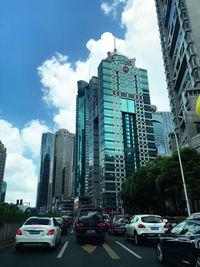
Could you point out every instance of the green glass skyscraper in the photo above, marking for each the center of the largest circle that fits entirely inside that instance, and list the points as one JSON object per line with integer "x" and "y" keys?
{"x": 114, "y": 130}
{"x": 126, "y": 138}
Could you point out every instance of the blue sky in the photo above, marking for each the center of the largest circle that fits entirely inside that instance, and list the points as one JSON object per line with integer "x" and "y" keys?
{"x": 45, "y": 47}
{"x": 33, "y": 31}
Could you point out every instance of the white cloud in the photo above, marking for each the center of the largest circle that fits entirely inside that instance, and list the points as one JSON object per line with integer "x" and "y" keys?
{"x": 112, "y": 9}
{"x": 21, "y": 172}
{"x": 31, "y": 136}
{"x": 141, "y": 41}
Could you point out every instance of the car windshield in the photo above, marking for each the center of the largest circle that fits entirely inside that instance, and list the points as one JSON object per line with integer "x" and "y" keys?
{"x": 40, "y": 221}
{"x": 190, "y": 228}
{"x": 152, "y": 219}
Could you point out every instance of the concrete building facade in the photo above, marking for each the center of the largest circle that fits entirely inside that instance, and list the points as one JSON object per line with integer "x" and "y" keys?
{"x": 179, "y": 24}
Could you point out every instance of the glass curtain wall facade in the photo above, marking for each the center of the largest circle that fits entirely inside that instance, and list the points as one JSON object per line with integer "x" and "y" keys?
{"x": 81, "y": 143}
{"x": 93, "y": 179}
{"x": 63, "y": 165}
{"x": 162, "y": 124}
{"x": 179, "y": 24}
{"x": 3, "y": 155}
{"x": 44, "y": 192}
{"x": 3, "y": 191}
{"x": 126, "y": 137}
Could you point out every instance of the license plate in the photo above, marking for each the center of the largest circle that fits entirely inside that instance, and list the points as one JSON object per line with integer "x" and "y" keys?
{"x": 90, "y": 231}
{"x": 155, "y": 228}
{"x": 34, "y": 232}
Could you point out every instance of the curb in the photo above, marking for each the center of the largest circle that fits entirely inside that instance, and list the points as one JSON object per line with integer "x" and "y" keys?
{"x": 6, "y": 243}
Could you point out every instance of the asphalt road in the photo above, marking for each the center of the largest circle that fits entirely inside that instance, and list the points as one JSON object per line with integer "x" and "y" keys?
{"x": 115, "y": 252}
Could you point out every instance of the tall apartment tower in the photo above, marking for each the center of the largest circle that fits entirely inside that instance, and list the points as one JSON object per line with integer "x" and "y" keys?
{"x": 163, "y": 127}
{"x": 63, "y": 165}
{"x": 3, "y": 155}
{"x": 179, "y": 24}
{"x": 81, "y": 140}
{"x": 114, "y": 119}
{"x": 44, "y": 192}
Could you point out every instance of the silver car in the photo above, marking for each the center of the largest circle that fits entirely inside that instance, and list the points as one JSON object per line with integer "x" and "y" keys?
{"x": 38, "y": 231}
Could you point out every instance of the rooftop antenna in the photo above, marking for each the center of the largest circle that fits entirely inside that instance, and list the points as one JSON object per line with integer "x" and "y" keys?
{"x": 115, "y": 49}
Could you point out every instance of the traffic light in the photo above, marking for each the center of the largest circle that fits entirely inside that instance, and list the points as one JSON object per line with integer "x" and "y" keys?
{"x": 21, "y": 202}
{"x": 17, "y": 202}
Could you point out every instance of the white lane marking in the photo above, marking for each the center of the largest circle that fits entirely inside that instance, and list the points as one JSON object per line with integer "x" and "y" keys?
{"x": 62, "y": 250}
{"x": 72, "y": 231}
{"x": 132, "y": 252}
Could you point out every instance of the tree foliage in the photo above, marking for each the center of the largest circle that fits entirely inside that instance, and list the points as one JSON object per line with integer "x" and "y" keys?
{"x": 158, "y": 186}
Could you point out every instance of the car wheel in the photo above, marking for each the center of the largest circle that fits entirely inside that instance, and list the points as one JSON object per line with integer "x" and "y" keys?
{"x": 101, "y": 240}
{"x": 78, "y": 240}
{"x": 137, "y": 239}
{"x": 160, "y": 254}
{"x": 126, "y": 236}
{"x": 17, "y": 248}
{"x": 197, "y": 261}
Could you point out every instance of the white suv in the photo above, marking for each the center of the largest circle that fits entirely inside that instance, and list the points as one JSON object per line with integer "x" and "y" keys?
{"x": 144, "y": 226}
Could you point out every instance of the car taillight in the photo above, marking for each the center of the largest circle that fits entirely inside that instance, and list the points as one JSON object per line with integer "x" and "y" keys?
{"x": 101, "y": 225}
{"x": 141, "y": 225}
{"x": 79, "y": 225}
{"x": 51, "y": 232}
{"x": 168, "y": 225}
{"x": 19, "y": 232}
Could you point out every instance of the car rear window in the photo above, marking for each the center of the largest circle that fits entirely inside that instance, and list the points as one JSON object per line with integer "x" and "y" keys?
{"x": 39, "y": 221}
{"x": 152, "y": 219}
{"x": 121, "y": 219}
{"x": 95, "y": 215}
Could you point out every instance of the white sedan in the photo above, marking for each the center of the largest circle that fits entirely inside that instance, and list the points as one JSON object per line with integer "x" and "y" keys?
{"x": 38, "y": 231}
{"x": 145, "y": 226}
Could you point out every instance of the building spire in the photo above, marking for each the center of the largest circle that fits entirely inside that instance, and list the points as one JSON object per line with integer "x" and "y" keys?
{"x": 115, "y": 49}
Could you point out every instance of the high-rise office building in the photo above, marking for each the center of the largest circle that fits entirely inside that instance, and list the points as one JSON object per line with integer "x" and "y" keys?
{"x": 179, "y": 24}
{"x": 3, "y": 155}
{"x": 3, "y": 191}
{"x": 121, "y": 137}
{"x": 81, "y": 140}
{"x": 44, "y": 193}
{"x": 63, "y": 165}
{"x": 162, "y": 124}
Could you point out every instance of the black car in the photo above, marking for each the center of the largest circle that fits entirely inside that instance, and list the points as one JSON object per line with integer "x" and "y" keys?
{"x": 181, "y": 244}
{"x": 117, "y": 225}
{"x": 90, "y": 224}
{"x": 62, "y": 224}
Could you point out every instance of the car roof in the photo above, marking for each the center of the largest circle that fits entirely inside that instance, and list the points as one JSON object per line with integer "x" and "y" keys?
{"x": 143, "y": 215}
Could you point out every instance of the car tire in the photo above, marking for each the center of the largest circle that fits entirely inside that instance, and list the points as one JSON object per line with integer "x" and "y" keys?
{"x": 126, "y": 236}
{"x": 160, "y": 253}
{"x": 137, "y": 239}
{"x": 78, "y": 240}
{"x": 17, "y": 249}
{"x": 101, "y": 240}
{"x": 197, "y": 261}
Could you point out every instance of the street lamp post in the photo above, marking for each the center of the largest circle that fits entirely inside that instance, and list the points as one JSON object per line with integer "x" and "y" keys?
{"x": 182, "y": 175}
{"x": 181, "y": 168}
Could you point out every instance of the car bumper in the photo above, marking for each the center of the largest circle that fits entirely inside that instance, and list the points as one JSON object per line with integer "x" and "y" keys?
{"x": 90, "y": 233}
{"x": 150, "y": 236}
{"x": 35, "y": 241}
{"x": 119, "y": 230}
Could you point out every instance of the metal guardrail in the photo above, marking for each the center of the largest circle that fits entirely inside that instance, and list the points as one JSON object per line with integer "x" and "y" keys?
{"x": 8, "y": 231}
